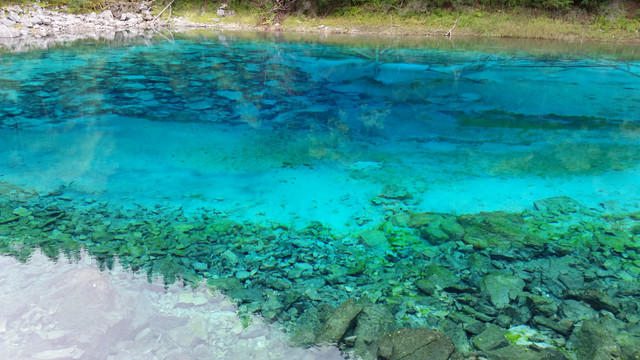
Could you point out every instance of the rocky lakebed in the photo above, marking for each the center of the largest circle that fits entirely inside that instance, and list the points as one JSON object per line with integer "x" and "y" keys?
{"x": 556, "y": 281}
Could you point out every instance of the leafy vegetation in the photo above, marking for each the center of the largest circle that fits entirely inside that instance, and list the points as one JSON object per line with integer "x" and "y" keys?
{"x": 354, "y": 7}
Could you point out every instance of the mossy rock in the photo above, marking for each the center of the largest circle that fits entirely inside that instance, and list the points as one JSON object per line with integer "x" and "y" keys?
{"x": 497, "y": 228}
{"x": 617, "y": 240}
{"x": 223, "y": 226}
{"x": 417, "y": 220}
{"x": 635, "y": 229}
{"x": 401, "y": 219}
{"x": 339, "y": 322}
{"x": 437, "y": 228}
{"x": 541, "y": 305}
{"x": 374, "y": 238}
{"x": 557, "y": 205}
{"x": 402, "y": 239}
{"x": 493, "y": 337}
{"x": 436, "y": 277}
{"x": 226, "y": 284}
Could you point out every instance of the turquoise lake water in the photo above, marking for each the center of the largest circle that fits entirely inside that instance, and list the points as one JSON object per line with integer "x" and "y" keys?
{"x": 345, "y": 157}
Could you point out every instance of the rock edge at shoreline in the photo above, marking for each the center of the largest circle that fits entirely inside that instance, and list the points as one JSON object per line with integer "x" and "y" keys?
{"x": 26, "y": 27}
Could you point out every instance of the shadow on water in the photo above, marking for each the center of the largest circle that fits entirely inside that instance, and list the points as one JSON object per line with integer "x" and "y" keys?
{"x": 488, "y": 187}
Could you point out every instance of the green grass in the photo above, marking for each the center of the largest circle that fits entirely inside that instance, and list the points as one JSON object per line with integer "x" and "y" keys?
{"x": 607, "y": 24}
{"x": 514, "y": 23}
{"x": 478, "y": 23}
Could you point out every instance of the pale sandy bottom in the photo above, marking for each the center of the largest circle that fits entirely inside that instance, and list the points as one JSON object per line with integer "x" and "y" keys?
{"x": 72, "y": 310}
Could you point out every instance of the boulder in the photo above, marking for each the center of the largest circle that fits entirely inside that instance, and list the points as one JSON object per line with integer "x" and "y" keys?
{"x": 106, "y": 15}
{"x": 629, "y": 345}
{"x": 418, "y": 220}
{"x": 6, "y": 22}
{"x": 417, "y": 344}
{"x": 9, "y": 32}
{"x": 13, "y": 17}
{"x": 575, "y": 311}
{"x": 563, "y": 327}
{"x": 456, "y": 332}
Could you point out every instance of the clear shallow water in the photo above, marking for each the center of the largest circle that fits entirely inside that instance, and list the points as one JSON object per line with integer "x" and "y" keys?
{"x": 315, "y": 131}
{"x": 137, "y": 150}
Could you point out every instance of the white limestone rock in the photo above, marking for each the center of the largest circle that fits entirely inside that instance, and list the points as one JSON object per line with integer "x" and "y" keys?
{"x": 9, "y": 32}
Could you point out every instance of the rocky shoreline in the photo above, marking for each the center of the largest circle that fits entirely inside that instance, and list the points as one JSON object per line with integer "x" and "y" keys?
{"x": 27, "y": 27}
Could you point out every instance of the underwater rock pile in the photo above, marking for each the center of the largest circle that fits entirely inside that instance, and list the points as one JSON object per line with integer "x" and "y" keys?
{"x": 556, "y": 281}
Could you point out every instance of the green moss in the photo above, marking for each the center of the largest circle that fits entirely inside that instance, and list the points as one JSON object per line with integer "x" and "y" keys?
{"x": 513, "y": 337}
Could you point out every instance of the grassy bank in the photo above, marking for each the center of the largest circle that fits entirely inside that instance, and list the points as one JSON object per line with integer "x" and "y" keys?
{"x": 618, "y": 22}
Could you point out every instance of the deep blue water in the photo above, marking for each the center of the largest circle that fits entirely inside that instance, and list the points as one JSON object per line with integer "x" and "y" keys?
{"x": 192, "y": 157}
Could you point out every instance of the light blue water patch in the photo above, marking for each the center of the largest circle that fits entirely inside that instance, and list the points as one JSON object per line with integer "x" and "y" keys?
{"x": 287, "y": 132}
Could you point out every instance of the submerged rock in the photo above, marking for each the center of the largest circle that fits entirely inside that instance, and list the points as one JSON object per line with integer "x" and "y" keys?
{"x": 502, "y": 288}
{"x": 375, "y": 239}
{"x": 518, "y": 352}
{"x": 395, "y": 192}
{"x": 593, "y": 340}
{"x": 437, "y": 277}
{"x": 373, "y": 322}
{"x": 596, "y": 298}
{"x": 558, "y": 205}
{"x": 497, "y": 228}
{"x": 493, "y": 337}
{"x": 541, "y": 305}
{"x": 306, "y": 328}
{"x": 437, "y": 228}
{"x": 417, "y": 344}
{"x": 339, "y": 322}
